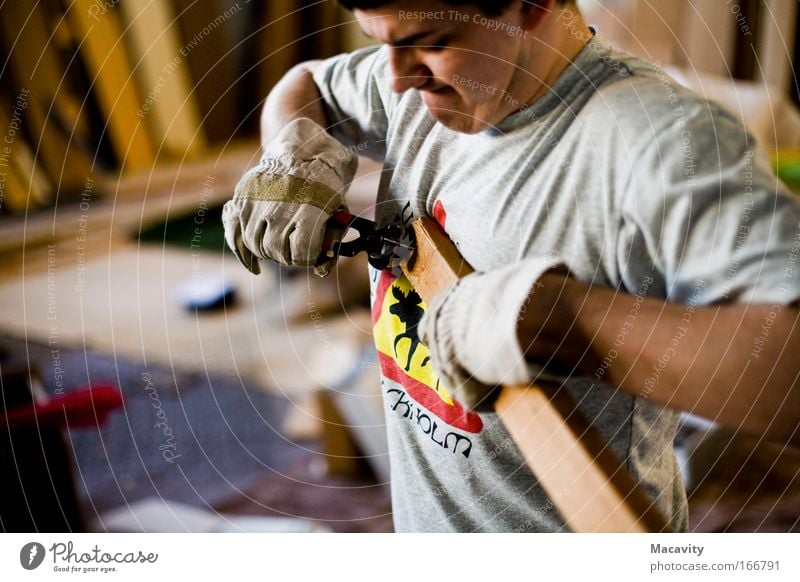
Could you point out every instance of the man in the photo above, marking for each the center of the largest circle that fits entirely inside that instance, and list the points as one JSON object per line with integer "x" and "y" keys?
{"x": 628, "y": 237}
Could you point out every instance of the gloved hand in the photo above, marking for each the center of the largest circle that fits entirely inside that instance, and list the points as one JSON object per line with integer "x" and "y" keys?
{"x": 280, "y": 208}
{"x": 471, "y": 332}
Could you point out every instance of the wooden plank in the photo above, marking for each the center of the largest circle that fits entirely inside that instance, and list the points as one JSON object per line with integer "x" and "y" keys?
{"x": 39, "y": 188}
{"x": 278, "y": 45}
{"x": 27, "y": 188}
{"x": 436, "y": 263}
{"x": 163, "y": 75}
{"x": 656, "y": 25}
{"x": 777, "y": 32}
{"x": 214, "y": 53}
{"x": 339, "y": 450}
{"x": 47, "y": 110}
{"x": 709, "y": 36}
{"x": 23, "y": 186}
{"x": 292, "y": 33}
{"x": 795, "y": 83}
{"x": 325, "y": 25}
{"x": 13, "y": 196}
{"x": 13, "y": 193}
{"x": 106, "y": 60}
{"x": 134, "y": 200}
{"x": 747, "y": 25}
{"x": 585, "y": 480}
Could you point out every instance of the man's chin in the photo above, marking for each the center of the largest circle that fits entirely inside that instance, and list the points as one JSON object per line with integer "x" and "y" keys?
{"x": 456, "y": 121}
{"x": 443, "y": 107}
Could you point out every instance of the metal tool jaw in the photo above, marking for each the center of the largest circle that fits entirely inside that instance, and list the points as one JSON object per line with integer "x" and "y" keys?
{"x": 386, "y": 247}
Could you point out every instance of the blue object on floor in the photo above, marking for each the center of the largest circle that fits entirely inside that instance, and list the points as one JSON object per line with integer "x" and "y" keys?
{"x": 206, "y": 293}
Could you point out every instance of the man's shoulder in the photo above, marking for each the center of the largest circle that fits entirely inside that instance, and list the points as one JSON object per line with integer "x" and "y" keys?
{"x": 647, "y": 90}
{"x": 647, "y": 103}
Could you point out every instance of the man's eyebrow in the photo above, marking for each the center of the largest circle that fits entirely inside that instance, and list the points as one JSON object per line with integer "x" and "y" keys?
{"x": 410, "y": 39}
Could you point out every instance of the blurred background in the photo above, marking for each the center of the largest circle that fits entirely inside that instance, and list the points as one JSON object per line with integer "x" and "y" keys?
{"x": 149, "y": 382}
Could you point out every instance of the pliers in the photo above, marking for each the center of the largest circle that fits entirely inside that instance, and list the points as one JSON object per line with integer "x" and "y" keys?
{"x": 380, "y": 244}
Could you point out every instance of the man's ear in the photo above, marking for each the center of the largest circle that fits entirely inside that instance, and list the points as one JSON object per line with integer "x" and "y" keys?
{"x": 535, "y": 11}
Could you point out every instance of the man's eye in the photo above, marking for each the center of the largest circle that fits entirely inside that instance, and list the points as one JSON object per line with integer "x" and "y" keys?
{"x": 437, "y": 46}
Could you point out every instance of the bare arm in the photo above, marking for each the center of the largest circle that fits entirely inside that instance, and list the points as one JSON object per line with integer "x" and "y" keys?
{"x": 294, "y": 96}
{"x": 738, "y": 365}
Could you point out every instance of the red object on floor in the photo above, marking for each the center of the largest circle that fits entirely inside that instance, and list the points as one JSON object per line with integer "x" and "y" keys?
{"x": 82, "y": 408}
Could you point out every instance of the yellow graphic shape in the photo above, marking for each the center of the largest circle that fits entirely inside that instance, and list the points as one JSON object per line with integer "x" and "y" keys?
{"x": 390, "y": 328}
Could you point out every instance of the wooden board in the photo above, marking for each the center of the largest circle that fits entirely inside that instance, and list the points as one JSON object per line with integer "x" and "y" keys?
{"x": 48, "y": 112}
{"x": 776, "y": 44}
{"x": 585, "y": 480}
{"x": 13, "y": 194}
{"x": 103, "y": 52}
{"x": 339, "y": 450}
{"x": 215, "y": 53}
{"x": 38, "y": 188}
{"x": 163, "y": 75}
{"x": 278, "y": 47}
{"x": 25, "y": 188}
{"x": 708, "y": 37}
{"x": 656, "y": 24}
{"x": 134, "y": 200}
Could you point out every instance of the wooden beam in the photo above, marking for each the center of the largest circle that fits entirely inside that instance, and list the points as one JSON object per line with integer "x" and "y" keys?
{"x": 102, "y": 49}
{"x": 214, "y": 53}
{"x": 776, "y": 40}
{"x": 13, "y": 194}
{"x": 165, "y": 84}
{"x": 708, "y": 37}
{"x": 655, "y": 25}
{"x": 50, "y": 114}
{"x": 584, "y": 478}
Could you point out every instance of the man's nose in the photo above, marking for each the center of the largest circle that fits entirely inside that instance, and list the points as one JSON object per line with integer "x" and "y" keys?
{"x": 407, "y": 71}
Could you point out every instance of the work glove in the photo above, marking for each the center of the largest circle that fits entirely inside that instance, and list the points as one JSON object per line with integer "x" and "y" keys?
{"x": 280, "y": 207}
{"x": 470, "y": 330}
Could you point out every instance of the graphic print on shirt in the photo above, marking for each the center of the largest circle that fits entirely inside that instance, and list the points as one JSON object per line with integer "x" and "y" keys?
{"x": 396, "y": 311}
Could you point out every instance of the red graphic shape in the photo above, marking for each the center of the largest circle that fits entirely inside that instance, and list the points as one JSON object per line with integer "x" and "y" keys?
{"x": 440, "y": 214}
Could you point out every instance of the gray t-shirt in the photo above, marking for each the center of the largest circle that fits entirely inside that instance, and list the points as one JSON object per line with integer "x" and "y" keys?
{"x": 634, "y": 182}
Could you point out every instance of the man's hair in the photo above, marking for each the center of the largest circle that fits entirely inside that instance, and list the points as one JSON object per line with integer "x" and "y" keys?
{"x": 488, "y": 7}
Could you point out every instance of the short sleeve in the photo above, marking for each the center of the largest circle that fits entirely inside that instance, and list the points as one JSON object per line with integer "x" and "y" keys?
{"x": 356, "y": 93}
{"x": 706, "y": 215}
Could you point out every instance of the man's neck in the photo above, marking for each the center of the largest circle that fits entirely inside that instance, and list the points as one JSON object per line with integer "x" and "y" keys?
{"x": 563, "y": 37}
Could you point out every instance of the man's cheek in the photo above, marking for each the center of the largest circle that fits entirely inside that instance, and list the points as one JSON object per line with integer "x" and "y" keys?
{"x": 484, "y": 94}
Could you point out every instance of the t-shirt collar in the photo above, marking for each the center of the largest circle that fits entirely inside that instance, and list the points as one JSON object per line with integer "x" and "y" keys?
{"x": 581, "y": 74}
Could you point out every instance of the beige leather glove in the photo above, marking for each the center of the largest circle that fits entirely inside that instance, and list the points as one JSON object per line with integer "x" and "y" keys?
{"x": 471, "y": 332}
{"x": 280, "y": 207}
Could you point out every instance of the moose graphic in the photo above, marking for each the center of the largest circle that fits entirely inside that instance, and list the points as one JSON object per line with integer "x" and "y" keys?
{"x": 409, "y": 310}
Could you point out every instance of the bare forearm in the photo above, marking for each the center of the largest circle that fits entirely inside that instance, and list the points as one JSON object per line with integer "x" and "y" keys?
{"x": 296, "y": 95}
{"x": 734, "y": 364}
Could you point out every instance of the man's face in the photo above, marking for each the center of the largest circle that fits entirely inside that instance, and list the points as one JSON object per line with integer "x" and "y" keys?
{"x": 467, "y": 66}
